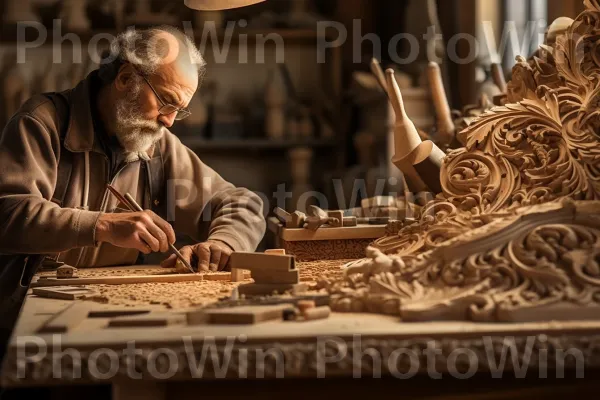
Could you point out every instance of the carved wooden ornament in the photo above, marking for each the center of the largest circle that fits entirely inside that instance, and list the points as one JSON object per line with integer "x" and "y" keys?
{"x": 514, "y": 235}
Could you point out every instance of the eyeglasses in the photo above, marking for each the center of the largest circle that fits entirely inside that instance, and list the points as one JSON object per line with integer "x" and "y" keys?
{"x": 166, "y": 108}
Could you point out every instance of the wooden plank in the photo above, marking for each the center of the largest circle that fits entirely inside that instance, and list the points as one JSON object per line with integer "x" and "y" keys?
{"x": 119, "y": 280}
{"x": 275, "y": 276}
{"x": 117, "y": 312}
{"x": 265, "y": 289}
{"x": 256, "y": 261}
{"x": 344, "y": 233}
{"x": 149, "y": 320}
{"x": 225, "y": 276}
{"x": 64, "y": 292}
{"x": 67, "y": 319}
{"x": 243, "y": 315}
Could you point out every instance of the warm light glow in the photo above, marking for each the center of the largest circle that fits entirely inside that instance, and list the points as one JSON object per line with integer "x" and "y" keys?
{"x": 213, "y": 5}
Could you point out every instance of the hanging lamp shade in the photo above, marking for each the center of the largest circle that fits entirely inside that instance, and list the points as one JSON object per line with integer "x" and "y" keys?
{"x": 214, "y": 5}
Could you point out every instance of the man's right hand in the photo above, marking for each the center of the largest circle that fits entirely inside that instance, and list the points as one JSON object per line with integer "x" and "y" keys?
{"x": 144, "y": 231}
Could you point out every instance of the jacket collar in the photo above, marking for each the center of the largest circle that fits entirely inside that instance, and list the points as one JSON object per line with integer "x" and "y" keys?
{"x": 81, "y": 136}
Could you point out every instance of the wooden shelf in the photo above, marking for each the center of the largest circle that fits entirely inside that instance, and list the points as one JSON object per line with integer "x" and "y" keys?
{"x": 8, "y": 34}
{"x": 200, "y": 144}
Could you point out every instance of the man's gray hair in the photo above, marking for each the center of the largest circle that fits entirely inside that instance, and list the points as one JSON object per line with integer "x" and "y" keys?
{"x": 147, "y": 51}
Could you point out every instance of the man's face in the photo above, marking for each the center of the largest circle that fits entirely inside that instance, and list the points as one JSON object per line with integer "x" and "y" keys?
{"x": 138, "y": 122}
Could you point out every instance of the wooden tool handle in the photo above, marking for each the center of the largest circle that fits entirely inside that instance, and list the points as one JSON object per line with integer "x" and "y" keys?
{"x": 395, "y": 96}
{"x": 445, "y": 124}
{"x": 134, "y": 203}
{"x": 137, "y": 207}
{"x": 120, "y": 197}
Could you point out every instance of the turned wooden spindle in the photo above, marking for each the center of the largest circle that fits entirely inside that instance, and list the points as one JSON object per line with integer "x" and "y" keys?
{"x": 407, "y": 136}
{"x": 379, "y": 75}
{"x": 419, "y": 160}
{"x": 445, "y": 123}
{"x": 498, "y": 77}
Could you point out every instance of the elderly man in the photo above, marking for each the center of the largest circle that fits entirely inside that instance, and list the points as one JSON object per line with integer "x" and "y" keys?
{"x": 59, "y": 152}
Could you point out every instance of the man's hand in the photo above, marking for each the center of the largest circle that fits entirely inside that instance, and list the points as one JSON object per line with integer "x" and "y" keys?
{"x": 212, "y": 255}
{"x": 144, "y": 231}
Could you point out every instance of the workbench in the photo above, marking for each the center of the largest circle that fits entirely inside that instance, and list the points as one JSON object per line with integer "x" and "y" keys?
{"x": 167, "y": 361}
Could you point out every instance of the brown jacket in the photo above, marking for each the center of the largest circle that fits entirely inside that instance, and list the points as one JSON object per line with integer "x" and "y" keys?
{"x": 200, "y": 203}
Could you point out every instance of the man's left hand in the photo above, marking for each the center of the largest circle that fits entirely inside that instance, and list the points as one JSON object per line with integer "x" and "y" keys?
{"x": 212, "y": 255}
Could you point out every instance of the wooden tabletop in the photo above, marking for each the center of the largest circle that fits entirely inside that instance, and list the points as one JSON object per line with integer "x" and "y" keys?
{"x": 290, "y": 349}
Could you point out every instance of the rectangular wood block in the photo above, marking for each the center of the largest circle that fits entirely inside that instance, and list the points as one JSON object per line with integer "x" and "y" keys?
{"x": 275, "y": 276}
{"x": 320, "y": 299}
{"x": 282, "y": 215}
{"x": 339, "y": 216}
{"x": 64, "y": 292}
{"x": 264, "y": 289}
{"x": 261, "y": 261}
{"x": 350, "y": 221}
{"x": 237, "y": 275}
{"x": 149, "y": 320}
{"x": 225, "y": 276}
{"x": 276, "y": 252}
{"x": 247, "y": 314}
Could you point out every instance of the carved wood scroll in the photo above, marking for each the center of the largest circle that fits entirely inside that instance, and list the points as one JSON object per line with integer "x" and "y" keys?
{"x": 514, "y": 234}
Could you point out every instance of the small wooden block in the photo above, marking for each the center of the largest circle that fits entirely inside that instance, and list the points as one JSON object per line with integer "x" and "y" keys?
{"x": 67, "y": 319}
{"x": 264, "y": 276}
{"x": 265, "y": 289}
{"x": 237, "y": 275}
{"x": 282, "y": 215}
{"x": 247, "y": 314}
{"x": 261, "y": 261}
{"x": 276, "y": 252}
{"x": 66, "y": 271}
{"x": 64, "y": 292}
{"x": 311, "y": 314}
{"x": 296, "y": 221}
{"x": 304, "y": 305}
{"x": 350, "y": 221}
{"x": 336, "y": 218}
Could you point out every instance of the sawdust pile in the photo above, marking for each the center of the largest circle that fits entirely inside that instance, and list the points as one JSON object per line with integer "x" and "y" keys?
{"x": 184, "y": 295}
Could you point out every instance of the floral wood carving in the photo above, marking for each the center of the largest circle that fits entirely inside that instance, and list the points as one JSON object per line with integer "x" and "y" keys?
{"x": 532, "y": 264}
{"x": 522, "y": 166}
{"x": 541, "y": 146}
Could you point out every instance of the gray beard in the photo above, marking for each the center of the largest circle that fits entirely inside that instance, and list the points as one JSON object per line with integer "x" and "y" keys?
{"x": 135, "y": 134}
